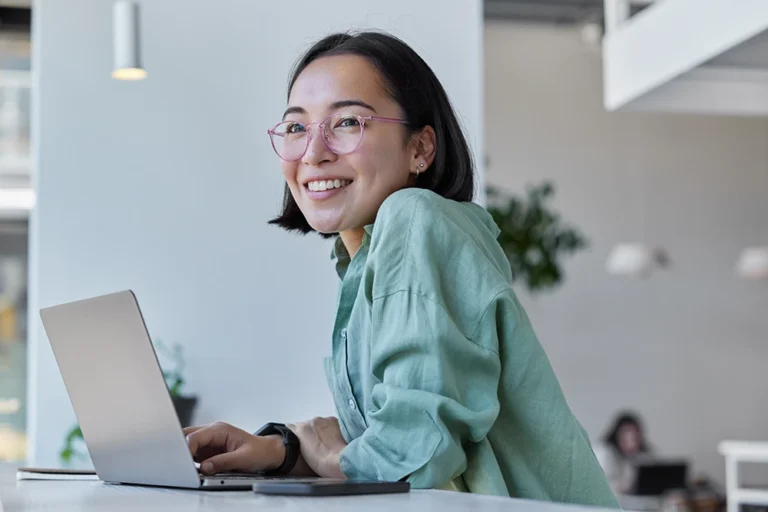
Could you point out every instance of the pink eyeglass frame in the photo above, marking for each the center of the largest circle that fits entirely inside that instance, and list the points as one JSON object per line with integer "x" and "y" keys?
{"x": 321, "y": 124}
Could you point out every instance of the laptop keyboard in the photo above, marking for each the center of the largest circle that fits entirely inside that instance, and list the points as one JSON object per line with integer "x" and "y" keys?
{"x": 248, "y": 476}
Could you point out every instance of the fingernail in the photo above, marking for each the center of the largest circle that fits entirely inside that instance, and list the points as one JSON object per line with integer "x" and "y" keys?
{"x": 206, "y": 467}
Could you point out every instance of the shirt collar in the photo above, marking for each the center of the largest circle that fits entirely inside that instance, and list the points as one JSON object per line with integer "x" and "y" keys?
{"x": 340, "y": 255}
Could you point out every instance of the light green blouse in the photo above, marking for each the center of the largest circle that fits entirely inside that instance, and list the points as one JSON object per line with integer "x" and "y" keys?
{"x": 436, "y": 372}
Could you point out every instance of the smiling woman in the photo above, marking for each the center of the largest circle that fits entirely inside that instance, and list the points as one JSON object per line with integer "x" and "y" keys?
{"x": 437, "y": 375}
{"x": 408, "y": 134}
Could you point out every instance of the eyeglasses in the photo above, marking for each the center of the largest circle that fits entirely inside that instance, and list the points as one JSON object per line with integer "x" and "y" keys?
{"x": 341, "y": 133}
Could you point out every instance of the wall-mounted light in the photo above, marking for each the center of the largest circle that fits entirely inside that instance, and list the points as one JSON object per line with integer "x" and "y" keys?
{"x": 753, "y": 263}
{"x": 636, "y": 260}
{"x": 126, "y": 44}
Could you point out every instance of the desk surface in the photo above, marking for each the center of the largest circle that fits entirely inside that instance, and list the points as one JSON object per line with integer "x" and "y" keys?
{"x": 85, "y": 496}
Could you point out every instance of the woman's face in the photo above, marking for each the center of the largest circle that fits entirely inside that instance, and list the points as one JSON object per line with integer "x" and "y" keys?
{"x": 629, "y": 439}
{"x": 383, "y": 163}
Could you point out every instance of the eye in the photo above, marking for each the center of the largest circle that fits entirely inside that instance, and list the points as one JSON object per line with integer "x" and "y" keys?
{"x": 347, "y": 122}
{"x": 291, "y": 128}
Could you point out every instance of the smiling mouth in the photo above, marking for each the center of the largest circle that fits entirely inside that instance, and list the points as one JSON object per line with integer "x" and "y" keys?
{"x": 324, "y": 185}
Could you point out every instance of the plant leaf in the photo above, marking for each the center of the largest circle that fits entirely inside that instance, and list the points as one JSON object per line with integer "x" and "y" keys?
{"x": 533, "y": 236}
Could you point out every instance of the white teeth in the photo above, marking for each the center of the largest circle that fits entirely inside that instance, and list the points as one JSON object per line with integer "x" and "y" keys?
{"x": 320, "y": 186}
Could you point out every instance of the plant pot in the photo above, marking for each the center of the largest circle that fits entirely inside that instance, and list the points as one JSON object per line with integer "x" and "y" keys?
{"x": 185, "y": 409}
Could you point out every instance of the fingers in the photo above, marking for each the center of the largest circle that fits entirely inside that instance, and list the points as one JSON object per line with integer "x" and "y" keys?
{"x": 189, "y": 430}
{"x": 238, "y": 460}
{"x": 213, "y": 437}
{"x": 250, "y": 456}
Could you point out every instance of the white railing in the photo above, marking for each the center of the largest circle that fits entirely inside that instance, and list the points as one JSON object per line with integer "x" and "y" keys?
{"x": 736, "y": 452}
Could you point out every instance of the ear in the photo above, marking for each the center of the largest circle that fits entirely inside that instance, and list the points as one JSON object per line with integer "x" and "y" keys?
{"x": 424, "y": 147}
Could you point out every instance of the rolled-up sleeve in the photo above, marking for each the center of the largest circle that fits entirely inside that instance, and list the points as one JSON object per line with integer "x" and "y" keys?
{"x": 435, "y": 391}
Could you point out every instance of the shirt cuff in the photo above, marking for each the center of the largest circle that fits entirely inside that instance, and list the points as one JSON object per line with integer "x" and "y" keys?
{"x": 356, "y": 464}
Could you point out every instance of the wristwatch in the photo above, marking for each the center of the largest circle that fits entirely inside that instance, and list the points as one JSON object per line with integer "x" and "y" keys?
{"x": 290, "y": 441}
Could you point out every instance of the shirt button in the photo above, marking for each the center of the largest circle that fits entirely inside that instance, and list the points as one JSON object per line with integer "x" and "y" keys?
{"x": 344, "y": 334}
{"x": 351, "y": 403}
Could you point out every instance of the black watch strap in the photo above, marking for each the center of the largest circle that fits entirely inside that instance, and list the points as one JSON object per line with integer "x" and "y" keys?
{"x": 290, "y": 441}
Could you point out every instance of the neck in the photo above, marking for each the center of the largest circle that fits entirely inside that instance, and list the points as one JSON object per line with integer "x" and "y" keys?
{"x": 352, "y": 239}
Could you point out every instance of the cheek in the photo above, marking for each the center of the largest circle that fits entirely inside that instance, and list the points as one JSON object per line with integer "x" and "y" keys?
{"x": 386, "y": 162}
{"x": 289, "y": 171}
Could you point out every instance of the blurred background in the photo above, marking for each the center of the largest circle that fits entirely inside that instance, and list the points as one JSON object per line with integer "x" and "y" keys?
{"x": 621, "y": 146}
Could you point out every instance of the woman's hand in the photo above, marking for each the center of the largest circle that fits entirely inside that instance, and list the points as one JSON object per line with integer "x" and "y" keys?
{"x": 220, "y": 447}
{"x": 321, "y": 444}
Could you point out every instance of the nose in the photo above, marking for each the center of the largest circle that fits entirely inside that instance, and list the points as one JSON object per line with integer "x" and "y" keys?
{"x": 317, "y": 151}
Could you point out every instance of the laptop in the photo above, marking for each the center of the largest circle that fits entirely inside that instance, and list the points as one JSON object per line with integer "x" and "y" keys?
{"x": 120, "y": 397}
{"x": 655, "y": 478}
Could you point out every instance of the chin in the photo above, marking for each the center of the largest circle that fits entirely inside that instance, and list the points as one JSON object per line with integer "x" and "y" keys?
{"x": 324, "y": 227}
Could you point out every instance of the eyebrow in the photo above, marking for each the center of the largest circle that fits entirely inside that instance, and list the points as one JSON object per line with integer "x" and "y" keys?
{"x": 334, "y": 106}
{"x": 351, "y": 103}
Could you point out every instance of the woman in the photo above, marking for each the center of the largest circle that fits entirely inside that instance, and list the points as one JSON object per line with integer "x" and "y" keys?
{"x": 623, "y": 446}
{"x": 436, "y": 372}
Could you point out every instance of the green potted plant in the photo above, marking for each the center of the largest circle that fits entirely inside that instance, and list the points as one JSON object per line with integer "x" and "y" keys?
{"x": 174, "y": 378}
{"x": 533, "y": 236}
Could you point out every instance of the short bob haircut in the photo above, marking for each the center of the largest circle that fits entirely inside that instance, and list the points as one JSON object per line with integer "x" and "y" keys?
{"x": 625, "y": 418}
{"x": 414, "y": 86}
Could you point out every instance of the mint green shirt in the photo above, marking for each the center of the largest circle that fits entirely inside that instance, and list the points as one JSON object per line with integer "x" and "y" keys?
{"x": 436, "y": 372}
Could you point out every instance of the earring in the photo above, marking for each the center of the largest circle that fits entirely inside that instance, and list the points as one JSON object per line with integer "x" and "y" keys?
{"x": 418, "y": 170}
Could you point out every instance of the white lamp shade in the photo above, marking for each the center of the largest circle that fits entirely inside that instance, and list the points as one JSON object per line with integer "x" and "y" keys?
{"x": 635, "y": 259}
{"x": 753, "y": 263}
{"x": 126, "y": 44}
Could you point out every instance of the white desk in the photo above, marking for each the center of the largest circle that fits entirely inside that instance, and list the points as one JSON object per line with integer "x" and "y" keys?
{"x": 84, "y": 496}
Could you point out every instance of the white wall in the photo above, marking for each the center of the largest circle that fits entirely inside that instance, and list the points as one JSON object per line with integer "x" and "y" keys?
{"x": 689, "y": 347}
{"x": 165, "y": 186}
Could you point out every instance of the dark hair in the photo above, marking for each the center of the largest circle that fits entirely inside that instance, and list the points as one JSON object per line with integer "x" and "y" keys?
{"x": 623, "y": 419}
{"x": 414, "y": 86}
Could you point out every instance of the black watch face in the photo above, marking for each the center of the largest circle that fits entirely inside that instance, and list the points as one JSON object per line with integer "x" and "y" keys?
{"x": 290, "y": 437}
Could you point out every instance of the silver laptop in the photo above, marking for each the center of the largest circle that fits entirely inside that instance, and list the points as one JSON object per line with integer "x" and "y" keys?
{"x": 120, "y": 397}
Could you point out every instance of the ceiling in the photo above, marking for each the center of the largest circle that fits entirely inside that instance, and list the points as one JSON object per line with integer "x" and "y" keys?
{"x": 751, "y": 54}
{"x": 15, "y": 14}
{"x": 552, "y": 12}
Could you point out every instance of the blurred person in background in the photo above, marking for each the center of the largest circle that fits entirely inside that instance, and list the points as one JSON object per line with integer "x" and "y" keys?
{"x": 622, "y": 447}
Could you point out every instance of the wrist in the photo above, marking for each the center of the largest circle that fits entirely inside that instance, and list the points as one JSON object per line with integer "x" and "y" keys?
{"x": 290, "y": 446}
{"x": 333, "y": 467}
{"x": 276, "y": 452}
